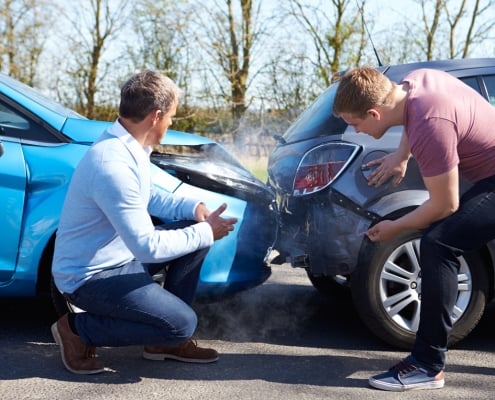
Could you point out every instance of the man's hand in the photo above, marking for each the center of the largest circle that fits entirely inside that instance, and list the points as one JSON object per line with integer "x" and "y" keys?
{"x": 219, "y": 225}
{"x": 201, "y": 212}
{"x": 384, "y": 230}
{"x": 391, "y": 165}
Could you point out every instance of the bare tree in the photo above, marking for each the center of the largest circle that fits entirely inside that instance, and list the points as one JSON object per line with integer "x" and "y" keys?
{"x": 451, "y": 29}
{"x": 290, "y": 85}
{"x": 334, "y": 28}
{"x": 93, "y": 26}
{"x": 477, "y": 29}
{"x": 162, "y": 40}
{"x": 23, "y": 27}
{"x": 431, "y": 26}
{"x": 230, "y": 35}
{"x": 312, "y": 41}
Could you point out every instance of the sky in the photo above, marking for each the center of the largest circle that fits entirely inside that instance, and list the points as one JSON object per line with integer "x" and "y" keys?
{"x": 388, "y": 13}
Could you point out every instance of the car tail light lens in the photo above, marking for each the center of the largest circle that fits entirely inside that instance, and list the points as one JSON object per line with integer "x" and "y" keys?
{"x": 321, "y": 166}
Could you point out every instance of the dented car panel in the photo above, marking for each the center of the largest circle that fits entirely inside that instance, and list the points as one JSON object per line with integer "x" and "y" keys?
{"x": 323, "y": 230}
{"x": 207, "y": 171}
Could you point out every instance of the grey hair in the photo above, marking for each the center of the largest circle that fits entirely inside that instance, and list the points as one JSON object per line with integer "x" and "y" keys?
{"x": 145, "y": 92}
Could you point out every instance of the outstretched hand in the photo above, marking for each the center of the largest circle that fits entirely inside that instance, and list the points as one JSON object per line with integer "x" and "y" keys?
{"x": 219, "y": 225}
{"x": 389, "y": 166}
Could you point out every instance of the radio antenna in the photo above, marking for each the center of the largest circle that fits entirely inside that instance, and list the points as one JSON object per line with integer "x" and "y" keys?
{"x": 368, "y": 33}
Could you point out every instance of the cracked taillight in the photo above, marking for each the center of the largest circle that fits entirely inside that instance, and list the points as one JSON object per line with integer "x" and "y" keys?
{"x": 321, "y": 166}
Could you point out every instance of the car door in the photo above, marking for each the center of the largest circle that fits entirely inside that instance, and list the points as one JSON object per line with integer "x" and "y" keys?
{"x": 13, "y": 176}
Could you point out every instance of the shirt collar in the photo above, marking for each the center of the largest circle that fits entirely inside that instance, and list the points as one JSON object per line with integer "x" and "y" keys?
{"x": 118, "y": 130}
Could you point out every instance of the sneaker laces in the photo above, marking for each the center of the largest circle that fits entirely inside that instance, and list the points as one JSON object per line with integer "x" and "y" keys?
{"x": 403, "y": 367}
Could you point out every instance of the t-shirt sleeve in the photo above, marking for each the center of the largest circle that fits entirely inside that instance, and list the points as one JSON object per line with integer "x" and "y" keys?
{"x": 433, "y": 143}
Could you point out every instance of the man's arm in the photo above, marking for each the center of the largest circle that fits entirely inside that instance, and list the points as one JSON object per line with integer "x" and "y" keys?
{"x": 443, "y": 201}
{"x": 171, "y": 206}
{"x": 392, "y": 165}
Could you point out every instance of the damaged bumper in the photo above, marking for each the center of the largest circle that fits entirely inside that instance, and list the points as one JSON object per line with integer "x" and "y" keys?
{"x": 326, "y": 237}
{"x": 208, "y": 172}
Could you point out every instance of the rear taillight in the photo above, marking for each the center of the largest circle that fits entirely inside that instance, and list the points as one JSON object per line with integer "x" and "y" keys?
{"x": 321, "y": 166}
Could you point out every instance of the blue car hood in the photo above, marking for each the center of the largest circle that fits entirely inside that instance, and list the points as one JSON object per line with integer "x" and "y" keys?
{"x": 84, "y": 130}
{"x": 87, "y": 131}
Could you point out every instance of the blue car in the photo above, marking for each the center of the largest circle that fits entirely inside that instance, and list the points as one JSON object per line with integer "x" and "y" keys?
{"x": 42, "y": 144}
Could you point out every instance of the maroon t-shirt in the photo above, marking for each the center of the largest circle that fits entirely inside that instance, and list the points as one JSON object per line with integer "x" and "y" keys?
{"x": 448, "y": 123}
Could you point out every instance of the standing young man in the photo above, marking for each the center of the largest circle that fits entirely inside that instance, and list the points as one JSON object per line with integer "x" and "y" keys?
{"x": 450, "y": 130}
{"x": 107, "y": 248}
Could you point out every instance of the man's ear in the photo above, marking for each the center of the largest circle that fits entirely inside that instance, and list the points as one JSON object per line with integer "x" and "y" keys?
{"x": 374, "y": 113}
{"x": 157, "y": 115}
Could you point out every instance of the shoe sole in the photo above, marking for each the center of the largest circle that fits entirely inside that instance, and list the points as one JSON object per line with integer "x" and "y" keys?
{"x": 58, "y": 340}
{"x": 402, "y": 388}
{"x": 163, "y": 357}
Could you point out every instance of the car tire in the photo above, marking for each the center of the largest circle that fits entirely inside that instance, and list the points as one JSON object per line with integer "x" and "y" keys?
{"x": 378, "y": 285}
{"x": 330, "y": 286}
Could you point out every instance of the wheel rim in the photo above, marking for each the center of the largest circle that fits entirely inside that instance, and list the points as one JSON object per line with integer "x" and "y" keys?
{"x": 400, "y": 286}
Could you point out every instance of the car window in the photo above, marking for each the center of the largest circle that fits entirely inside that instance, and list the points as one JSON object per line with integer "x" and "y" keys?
{"x": 15, "y": 125}
{"x": 473, "y": 82}
{"x": 38, "y": 97}
{"x": 490, "y": 87}
{"x": 10, "y": 120}
{"x": 317, "y": 120}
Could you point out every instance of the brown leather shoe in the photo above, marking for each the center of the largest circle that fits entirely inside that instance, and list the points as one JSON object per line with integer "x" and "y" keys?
{"x": 76, "y": 356}
{"x": 189, "y": 351}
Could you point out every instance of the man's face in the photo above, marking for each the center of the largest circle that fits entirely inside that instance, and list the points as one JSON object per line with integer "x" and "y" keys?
{"x": 372, "y": 124}
{"x": 163, "y": 124}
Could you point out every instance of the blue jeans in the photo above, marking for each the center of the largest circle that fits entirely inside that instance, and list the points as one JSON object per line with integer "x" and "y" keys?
{"x": 468, "y": 229}
{"x": 125, "y": 306}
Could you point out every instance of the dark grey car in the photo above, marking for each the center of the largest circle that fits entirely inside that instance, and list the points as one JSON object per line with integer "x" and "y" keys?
{"x": 318, "y": 172}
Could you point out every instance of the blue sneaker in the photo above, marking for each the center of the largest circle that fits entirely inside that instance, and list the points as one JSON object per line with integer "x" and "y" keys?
{"x": 408, "y": 375}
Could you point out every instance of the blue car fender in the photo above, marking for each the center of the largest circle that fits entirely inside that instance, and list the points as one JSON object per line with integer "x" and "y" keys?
{"x": 218, "y": 262}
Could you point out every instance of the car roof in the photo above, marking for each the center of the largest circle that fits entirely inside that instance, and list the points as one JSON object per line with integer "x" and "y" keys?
{"x": 50, "y": 111}
{"x": 397, "y": 72}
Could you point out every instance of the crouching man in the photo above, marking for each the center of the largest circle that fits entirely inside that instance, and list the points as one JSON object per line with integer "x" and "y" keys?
{"x": 107, "y": 247}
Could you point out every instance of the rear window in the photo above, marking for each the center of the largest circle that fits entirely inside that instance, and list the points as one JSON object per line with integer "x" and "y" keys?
{"x": 317, "y": 120}
{"x": 490, "y": 88}
{"x": 473, "y": 82}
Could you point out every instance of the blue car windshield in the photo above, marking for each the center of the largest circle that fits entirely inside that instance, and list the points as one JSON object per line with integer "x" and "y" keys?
{"x": 317, "y": 120}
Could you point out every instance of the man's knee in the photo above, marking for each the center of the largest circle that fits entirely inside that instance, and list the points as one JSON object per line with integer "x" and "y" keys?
{"x": 185, "y": 324}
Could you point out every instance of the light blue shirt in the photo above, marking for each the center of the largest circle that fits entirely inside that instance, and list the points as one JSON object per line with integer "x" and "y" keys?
{"x": 105, "y": 221}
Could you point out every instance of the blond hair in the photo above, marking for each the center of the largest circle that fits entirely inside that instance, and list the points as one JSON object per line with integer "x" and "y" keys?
{"x": 361, "y": 89}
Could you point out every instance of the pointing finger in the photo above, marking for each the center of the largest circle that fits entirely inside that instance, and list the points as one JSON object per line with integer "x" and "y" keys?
{"x": 219, "y": 210}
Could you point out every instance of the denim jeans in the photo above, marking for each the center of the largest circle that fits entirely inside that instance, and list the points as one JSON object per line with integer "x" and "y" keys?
{"x": 469, "y": 228}
{"x": 125, "y": 306}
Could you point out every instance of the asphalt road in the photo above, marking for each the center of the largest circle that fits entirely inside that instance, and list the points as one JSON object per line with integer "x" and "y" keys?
{"x": 281, "y": 340}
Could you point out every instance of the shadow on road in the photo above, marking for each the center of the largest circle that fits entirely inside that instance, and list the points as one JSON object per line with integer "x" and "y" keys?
{"x": 254, "y": 331}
